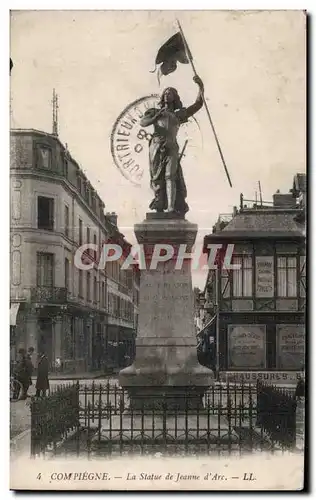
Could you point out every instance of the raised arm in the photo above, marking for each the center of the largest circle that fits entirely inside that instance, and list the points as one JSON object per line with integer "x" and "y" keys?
{"x": 195, "y": 107}
{"x": 150, "y": 117}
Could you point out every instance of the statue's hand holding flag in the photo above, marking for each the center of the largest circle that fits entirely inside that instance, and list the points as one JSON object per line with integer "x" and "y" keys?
{"x": 169, "y": 54}
{"x": 176, "y": 50}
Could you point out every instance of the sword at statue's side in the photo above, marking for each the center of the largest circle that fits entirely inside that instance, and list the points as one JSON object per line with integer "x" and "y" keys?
{"x": 183, "y": 149}
{"x": 189, "y": 55}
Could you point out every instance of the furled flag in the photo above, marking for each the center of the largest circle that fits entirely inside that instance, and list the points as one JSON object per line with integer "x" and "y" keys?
{"x": 169, "y": 54}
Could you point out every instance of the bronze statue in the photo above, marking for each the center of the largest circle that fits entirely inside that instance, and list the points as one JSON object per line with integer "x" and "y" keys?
{"x": 167, "y": 179}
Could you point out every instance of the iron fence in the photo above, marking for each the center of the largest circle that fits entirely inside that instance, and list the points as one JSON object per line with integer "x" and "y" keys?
{"x": 97, "y": 419}
{"x": 53, "y": 418}
{"x": 276, "y": 412}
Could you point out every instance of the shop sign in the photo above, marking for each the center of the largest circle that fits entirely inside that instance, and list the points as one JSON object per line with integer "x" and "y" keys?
{"x": 264, "y": 277}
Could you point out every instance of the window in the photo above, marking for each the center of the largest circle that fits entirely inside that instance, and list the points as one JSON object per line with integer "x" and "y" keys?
{"x": 88, "y": 239}
{"x": 129, "y": 279}
{"x": 45, "y": 158}
{"x": 45, "y": 213}
{"x": 66, "y": 168}
{"x": 242, "y": 278}
{"x": 79, "y": 183}
{"x": 45, "y": 269}
{"x": 287, "y": 276}
{"x": 117, "y": 306}
{"x": 66, "y": 274}
{"x": 94, "y": 204}
{"x": 109, "y": 268}
{"x": 302, "y": 276}
{"x": 86, "y": 190}
{"x": 66, "y": 221}
{"x": 80, "y": 232}
{"x": 103, "y": 294}
{"x": 95, "y": 290}
{"x": 95, "y": 242}
{"x": 88, "y": 194}
{"x": 225, "y": 282}
{"x": 88, "y": 286}
{"x": 80, "y": 283}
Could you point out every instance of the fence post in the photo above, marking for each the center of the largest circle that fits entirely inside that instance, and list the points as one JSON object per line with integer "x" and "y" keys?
{"x": 300, "y": 423}
{"x": 259, "y": 404}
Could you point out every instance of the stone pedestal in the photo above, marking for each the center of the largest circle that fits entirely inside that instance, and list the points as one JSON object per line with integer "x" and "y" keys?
{"x": 166, "y": 371}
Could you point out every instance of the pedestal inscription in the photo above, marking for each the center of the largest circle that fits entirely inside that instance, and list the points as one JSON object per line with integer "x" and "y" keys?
{"x": 166, "y": 370}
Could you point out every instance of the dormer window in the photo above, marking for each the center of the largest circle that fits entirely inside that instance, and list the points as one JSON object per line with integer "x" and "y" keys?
{"x": 45, "y": 157}
{"x": 93, "y": 202}
{"x": 79, "y": 183}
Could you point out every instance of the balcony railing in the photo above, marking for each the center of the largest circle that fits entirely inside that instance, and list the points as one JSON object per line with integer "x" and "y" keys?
{"x": 122, "y": 288}
{"x": 49, "y": 295}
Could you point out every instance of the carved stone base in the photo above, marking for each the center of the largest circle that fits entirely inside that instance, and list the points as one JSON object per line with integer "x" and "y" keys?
{"x": 166, "y": 369}
{"x": 169, "y": 398}
{"x": 164, "y": 215}
{"x": 163, "y": 429}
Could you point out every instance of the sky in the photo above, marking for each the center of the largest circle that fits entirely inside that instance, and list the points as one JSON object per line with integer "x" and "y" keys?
{"x": 252, "y": 64}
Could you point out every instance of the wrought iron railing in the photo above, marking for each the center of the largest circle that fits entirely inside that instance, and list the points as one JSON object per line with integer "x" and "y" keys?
{"x": 54, "y": 418}
{"x": 98, "y": 419}
{"x": 48, "y": 294}
{"x": 276, "y": 412}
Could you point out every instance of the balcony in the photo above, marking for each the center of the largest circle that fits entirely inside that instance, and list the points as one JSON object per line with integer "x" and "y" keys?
{"x": 49, "y": 295}
{"x": 122, "y": 288}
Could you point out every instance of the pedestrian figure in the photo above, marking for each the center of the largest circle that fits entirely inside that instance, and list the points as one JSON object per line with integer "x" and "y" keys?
{"x": 42, "y": 382}
{"x": 300, "y": 387}
{"x": 30, "y": 366}
{"x": 21, "y": 375}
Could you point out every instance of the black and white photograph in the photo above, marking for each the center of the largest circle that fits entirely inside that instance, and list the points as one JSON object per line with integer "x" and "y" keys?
{"x": 158, "y": 200}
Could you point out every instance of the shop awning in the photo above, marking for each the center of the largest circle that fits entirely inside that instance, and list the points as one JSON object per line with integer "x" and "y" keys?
{"x": 14, "y": 312}
{"x": 207, "y": 325}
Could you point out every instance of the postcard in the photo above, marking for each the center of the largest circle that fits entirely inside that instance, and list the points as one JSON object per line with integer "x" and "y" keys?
{"x": 157, "y": 250}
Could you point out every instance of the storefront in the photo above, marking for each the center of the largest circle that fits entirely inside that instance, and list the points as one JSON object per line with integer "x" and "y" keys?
{"x": 261, "y": 298}
{"x": 261, "y": 342}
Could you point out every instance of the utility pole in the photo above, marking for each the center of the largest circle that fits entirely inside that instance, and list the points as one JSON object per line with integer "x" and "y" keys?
{"x": 260, "y": 193}
{"x": 55, "y": 113}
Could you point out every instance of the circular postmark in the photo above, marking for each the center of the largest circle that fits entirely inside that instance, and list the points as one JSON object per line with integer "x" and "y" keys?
{"x": 129, "y": 140}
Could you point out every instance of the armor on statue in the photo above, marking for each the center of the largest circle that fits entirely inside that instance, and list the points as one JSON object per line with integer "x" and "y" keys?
{"x": 166, "y": 175}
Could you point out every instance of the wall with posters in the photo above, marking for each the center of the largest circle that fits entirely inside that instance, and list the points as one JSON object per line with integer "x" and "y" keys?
{"x": 246, "y": 346}
{"x": 264, "y": 276}
{"x": 290, "y": 341}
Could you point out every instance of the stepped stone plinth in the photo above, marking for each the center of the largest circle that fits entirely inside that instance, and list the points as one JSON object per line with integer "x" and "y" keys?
{"x": 166, "y": 371}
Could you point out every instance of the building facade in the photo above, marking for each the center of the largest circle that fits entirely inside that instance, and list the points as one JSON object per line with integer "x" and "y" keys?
{"x": 55, "y": 306}
{"x": 256, "y": 312}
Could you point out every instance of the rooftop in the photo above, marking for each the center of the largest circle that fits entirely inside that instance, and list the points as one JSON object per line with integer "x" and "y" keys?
{"x": 110, "y": 218}
{"x": 282, "y": 217}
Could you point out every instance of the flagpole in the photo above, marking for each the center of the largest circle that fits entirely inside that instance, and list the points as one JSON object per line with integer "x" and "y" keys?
{"x": 205, "y": 104}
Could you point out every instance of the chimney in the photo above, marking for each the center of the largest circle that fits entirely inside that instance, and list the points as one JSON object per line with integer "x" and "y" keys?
{"x": 299, "y": 189}
{"x": 112, "y": 217}
{"x": 284, "y": 200}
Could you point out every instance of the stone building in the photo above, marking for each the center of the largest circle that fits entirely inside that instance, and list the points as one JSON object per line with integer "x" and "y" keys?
{"x": 260, "y": 327}
{"x": 54, "y": 306}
